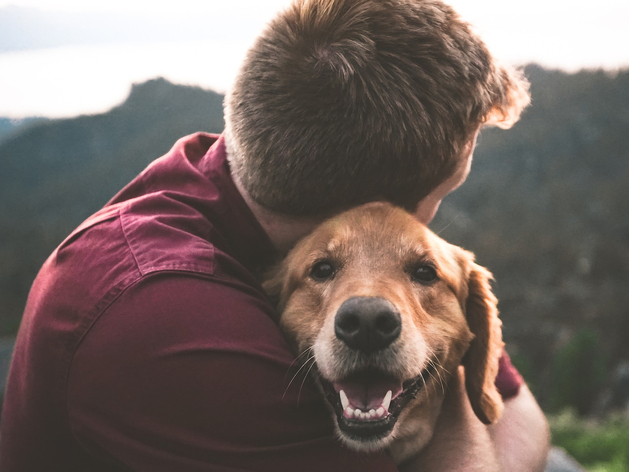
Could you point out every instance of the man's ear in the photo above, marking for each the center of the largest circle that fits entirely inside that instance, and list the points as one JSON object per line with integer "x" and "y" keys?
{"x": 482, "y": 358}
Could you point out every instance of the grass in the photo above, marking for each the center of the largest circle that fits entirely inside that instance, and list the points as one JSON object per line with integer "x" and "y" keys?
{"x": 600, "y": 446}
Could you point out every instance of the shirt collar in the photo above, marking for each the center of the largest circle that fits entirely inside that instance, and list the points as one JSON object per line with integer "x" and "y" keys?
{"x": 234, "y": 219}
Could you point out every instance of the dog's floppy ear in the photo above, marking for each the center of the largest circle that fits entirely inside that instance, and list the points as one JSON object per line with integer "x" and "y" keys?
{"x": 273, "y": 283}
{"x": 482, "y": 358}
{"x": 280, "y": 281}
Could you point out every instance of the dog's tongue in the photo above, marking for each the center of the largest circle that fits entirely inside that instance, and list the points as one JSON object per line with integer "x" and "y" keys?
{"x": 366, "y": 392}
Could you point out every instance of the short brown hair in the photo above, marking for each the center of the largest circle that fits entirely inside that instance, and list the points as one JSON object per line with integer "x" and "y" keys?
{"x": 341, "y": 102}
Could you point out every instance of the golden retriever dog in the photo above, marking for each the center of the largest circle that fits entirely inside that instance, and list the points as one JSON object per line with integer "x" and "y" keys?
{"x": 387, "y": 312}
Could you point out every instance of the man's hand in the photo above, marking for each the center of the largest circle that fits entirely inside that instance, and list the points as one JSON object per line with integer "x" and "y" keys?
{"x": 519, "y": 442}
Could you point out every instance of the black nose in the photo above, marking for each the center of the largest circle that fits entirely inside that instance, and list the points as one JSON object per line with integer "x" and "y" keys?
{"x": 367, "y": 324}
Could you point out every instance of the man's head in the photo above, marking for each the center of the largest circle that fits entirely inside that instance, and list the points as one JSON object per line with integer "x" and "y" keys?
{"x": 342, "y": 102}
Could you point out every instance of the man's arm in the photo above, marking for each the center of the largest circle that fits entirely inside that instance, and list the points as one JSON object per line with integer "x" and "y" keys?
{"x": 519, "y": 442}
{"x": 183, "y": 373}
{"x": 521, "y": 437}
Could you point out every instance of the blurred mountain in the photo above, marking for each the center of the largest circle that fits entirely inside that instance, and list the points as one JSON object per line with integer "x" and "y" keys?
{"x": 57, "y": 173}
{"x": 546, "y": 209}
{"x": 9, "y": 126}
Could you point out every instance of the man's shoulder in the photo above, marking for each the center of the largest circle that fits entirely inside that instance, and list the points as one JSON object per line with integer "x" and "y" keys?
{"x": 152, "y": 232}
{"x": 119, "y": 245}
{"x": 129, "y": 242}
{"x": 178, "y": 238}
{"x": 115, "y": 249}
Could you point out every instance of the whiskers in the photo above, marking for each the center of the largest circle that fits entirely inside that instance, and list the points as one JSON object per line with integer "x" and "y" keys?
{"x": 437, "y": 372}
{"x": 307, "y": 361}
{"x": 456, "y": 217}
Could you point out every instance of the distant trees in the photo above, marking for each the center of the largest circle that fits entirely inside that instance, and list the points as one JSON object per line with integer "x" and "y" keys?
{"x": 580, "y": 370}
{"x": 546, "y": 209}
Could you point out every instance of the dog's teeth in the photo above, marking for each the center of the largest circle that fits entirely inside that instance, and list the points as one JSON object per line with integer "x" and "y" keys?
{"x": 344, "y": 399}
{"x": 387, "y": 400}
{"x": 358, "y": 414}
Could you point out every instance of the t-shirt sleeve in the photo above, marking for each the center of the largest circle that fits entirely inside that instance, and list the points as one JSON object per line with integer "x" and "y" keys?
{"x": 187, "y": 373}
{"x": 508, "y": 380}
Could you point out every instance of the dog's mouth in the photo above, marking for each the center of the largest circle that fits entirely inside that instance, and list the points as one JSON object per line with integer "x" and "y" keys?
{"x": 368, "y": 403}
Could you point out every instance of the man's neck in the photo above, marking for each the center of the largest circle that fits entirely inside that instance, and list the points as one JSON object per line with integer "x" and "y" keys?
{"x": 283, "y": 231}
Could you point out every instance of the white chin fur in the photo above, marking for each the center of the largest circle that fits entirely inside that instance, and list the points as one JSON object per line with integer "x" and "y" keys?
{"x": 365, "y": 446}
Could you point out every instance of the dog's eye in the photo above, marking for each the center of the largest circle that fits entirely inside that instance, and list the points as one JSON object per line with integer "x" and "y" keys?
{"x": 424, "y": 273}
{"x": 322, "y": 270}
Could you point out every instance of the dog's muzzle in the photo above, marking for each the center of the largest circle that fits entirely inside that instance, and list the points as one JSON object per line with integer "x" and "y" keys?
{"x": 368, "y": 401}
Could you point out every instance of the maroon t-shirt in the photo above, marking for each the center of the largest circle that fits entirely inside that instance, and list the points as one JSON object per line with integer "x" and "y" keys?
{"x": 147, "y": 343}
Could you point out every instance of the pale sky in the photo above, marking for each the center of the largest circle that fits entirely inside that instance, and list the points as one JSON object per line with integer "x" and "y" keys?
{"x": 79, "y": 79}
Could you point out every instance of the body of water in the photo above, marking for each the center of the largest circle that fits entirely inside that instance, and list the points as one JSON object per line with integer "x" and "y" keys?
{"x": 73, "y": 80}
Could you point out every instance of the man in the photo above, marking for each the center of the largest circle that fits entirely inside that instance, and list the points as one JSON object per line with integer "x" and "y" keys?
{"x": 147, "y": 343}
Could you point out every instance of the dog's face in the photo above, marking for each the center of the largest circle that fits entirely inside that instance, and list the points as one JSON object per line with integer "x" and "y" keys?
{"x": 389, "y": 311}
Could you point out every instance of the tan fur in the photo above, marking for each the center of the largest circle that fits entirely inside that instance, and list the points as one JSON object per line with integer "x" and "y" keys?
{"x": 454, "y": 318}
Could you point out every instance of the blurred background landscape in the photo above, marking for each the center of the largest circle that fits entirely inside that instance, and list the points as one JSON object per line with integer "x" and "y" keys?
{"x": 546, "y": 207}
